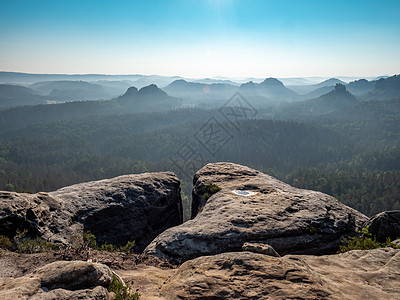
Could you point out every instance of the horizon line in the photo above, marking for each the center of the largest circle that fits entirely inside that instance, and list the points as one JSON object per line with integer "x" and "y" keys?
{"x": 202, "y": 77}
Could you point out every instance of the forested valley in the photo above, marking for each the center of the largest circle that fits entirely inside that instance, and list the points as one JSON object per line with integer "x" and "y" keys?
{"x": 350, "y": 152}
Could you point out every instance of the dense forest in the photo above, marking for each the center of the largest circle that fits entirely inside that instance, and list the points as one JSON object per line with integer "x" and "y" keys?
{"x": 351, "y": 152}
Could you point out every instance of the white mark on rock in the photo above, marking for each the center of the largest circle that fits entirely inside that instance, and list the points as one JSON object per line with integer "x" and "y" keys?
{"x": 245, "y": 193}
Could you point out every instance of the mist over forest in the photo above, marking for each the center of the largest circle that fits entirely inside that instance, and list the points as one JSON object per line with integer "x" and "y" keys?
{"x": 338, "y": 136}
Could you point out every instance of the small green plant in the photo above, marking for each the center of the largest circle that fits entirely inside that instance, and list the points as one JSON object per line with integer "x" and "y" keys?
{"x": 108, "y": 248}
{"x": 363, "y": 241}
{"x": 23, "y": 244}
{"x": 211, "y": 189}
{"x": 89, "y": 240}
{"x": 121, "y": 291}
{"x": 5, "y": 243}
{"x": 35, "y": 245}
{"x": 128, "y": 248}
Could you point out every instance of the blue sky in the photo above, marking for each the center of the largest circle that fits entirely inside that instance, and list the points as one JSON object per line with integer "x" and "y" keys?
{"x": 201, "y": 38}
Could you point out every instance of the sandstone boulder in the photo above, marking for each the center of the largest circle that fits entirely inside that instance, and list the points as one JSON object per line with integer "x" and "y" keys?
{"x": 60, "y": 280}
{"x": 385, "y": 225}
{"x": 254, "y": 207}
{"x": 130, "y": 207}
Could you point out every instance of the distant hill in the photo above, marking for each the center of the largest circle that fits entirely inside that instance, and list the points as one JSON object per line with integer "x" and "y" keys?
{"x": 318, "y": 92}
{"x": 361, "y": 86}
{"x": 29, "y": 78}
{"x": 115, "y": 87}
{"x": 135, "y": 79}
{"x": 211, "y": 81}
{"x": 147, "y": 99}
{"x": 324, "y": 86}
{"x": 145, "y": 80}
{"x": 14, "y": 95}
{"x": 181, "y": 86}
{"x": 329, "y": 82}
{"x": 385, "y": 89}
{"x": 196, "y": 90}
{"x": 337, "y": 99}
{"x": 66, "y": 90}
{"x": 270, "y": 88}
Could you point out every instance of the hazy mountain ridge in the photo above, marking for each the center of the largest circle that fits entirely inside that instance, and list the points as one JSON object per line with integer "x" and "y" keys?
{"x": 193, "y": 92}
{"x": 15, "y": 95}
{"x": 309, "y": 88}
{"x": 70, "y": 90}
{"x": 385, "y": 88}
{"x": 147, "y": 99}
{"x": 361, "y": 86}
{"x": 208, "y": 92}
{"x": 336, "y": 100}
{"x": 269, "y": 93}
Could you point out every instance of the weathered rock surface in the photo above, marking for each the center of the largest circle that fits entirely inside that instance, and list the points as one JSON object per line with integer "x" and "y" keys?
{"x": 260, "y": 248}
{"x": 147, "y": 280}
{"x": 243, "y": 275}
{"x": 60, "y": 280}
{"x": 254, "y": 207}
{"x": 40, "y": 214}
{"x": 130, "y": 207}
{"x": 385, "y": 225}
{"x": 358, "y": 274}
{"x": 372, "y": 274}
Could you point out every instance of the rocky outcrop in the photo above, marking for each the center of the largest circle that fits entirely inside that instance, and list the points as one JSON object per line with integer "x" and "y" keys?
{"x": 385, "y": 225}
{"x": 254, "y": 207}
{"x": 372, "y": 274}
{"x": 60, "y": 280}
{"x": 130, "y": 207}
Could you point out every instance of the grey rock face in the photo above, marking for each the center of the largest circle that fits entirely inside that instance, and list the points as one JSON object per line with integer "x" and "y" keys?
{"x": 130, "y": 207}
{"x": 40, "y": 214}
{"x": 60, "y": 280}
{"x": 385, "y": 225}
{"x": 254, "y": 207}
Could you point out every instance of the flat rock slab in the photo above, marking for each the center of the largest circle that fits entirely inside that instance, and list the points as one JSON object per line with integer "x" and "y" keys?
{"x": 117, "y": 210}
{"x": 257, "y": 208}
{"x": 358, "y": 274}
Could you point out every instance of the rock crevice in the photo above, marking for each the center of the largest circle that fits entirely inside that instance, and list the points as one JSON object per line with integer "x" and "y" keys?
{"x": 291, "y": 220}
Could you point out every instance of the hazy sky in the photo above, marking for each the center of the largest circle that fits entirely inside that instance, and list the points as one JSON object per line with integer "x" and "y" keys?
{"x": 201, "y": 38}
